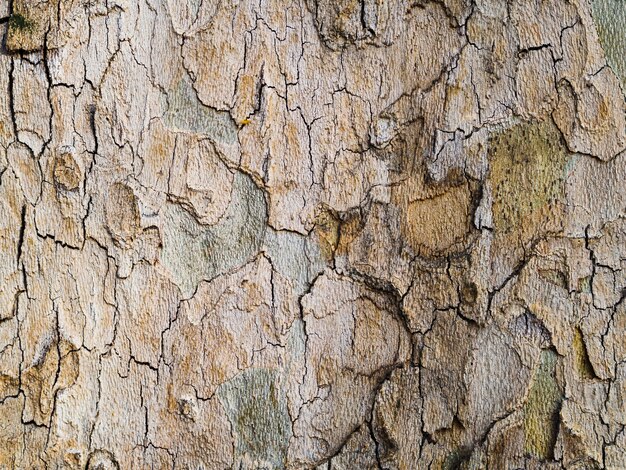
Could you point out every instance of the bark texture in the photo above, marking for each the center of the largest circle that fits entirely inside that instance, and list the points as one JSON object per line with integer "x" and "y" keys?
{"x": 333, "y": 234}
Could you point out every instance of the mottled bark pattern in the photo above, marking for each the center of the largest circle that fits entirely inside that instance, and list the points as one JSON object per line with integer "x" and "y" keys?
{"x": 312, "y": 234}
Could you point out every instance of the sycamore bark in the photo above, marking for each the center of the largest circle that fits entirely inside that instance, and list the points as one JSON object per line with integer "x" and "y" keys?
{"x": 312, "y": 234}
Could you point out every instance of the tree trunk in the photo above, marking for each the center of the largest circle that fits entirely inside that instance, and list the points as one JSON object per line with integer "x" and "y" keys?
{"x": 333, "y": 234}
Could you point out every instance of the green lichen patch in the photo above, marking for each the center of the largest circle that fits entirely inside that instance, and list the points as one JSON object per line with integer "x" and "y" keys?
{"x": 541, "y": 411}
{"x": 256, "y": 405}
{"x": 34, "y": 25}
{"x": 457, "y": 460}
{"x": 527, "y": 174}
{"x": 19, "y": 22}
{"x": 610, "y": 19}
{"x": 23, "y": 34}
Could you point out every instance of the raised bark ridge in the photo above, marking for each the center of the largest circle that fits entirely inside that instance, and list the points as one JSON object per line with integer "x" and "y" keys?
{"x": 330, "y": 234}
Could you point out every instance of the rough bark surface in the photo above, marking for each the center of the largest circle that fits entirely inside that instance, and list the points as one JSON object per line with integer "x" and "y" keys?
{"x": 333, "y": 234}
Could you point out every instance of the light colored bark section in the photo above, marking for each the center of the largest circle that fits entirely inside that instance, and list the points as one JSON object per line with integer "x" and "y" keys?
{"x": 312, "y": 234}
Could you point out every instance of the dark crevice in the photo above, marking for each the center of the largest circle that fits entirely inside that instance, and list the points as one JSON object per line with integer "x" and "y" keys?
{"x": 20, "y": 242}
{"x": 11, "y": 91}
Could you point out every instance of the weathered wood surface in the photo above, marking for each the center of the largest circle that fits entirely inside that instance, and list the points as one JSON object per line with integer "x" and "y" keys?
{"x": 330, "y": 234}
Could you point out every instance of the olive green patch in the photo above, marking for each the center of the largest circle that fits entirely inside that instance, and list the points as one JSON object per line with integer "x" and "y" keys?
{"x": 541, "y": 411}
{"x": 527, "y": 175}
{"x": 23, "y": 33}
{"x": 583, "y": 364}
{"x": 32, "y": 25}
{"x": 18, "y": 21}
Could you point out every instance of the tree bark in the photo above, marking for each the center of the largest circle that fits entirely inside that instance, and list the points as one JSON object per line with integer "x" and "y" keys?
{"x": 332, "y": 234}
